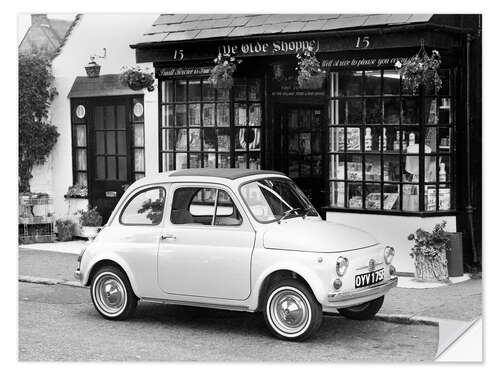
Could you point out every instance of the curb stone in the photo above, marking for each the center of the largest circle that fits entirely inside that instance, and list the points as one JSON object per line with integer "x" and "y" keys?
{"x": 396, "y": 318}
{"x": 48, "y": 281}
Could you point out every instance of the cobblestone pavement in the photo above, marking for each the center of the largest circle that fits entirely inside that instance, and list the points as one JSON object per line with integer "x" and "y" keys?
{"x": 59, "y": 323}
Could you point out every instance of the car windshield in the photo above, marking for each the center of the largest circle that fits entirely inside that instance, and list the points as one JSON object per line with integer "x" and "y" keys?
{"x": 273, "y": 199}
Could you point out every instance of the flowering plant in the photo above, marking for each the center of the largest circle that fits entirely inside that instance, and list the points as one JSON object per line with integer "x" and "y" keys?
{"x": 221, "y": 75}
{"x": 420, "y": 69}
{"x": 429, "y": 253}
{"x": 77, "y": 190}
{"x": 137, "y": 79}
{"x": 308, "y": 67}
{"x": 90, "y": 217}
{"x": 429, "y": 244}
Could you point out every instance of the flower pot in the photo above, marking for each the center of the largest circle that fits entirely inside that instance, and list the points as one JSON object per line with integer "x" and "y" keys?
{"x": 89, "y": 232}
{"x": 431, "y": 268}
{"x": 314, "y": 83}
{"x": 93, "y": 70}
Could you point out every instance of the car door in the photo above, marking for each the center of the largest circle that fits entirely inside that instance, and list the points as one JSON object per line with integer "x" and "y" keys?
{"x": 207, "y": 243}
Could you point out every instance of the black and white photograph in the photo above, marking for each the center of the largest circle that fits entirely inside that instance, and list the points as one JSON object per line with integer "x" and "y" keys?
{"x": 249, "y": 187}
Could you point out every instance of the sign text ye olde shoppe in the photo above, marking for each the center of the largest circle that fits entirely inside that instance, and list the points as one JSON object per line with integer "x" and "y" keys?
{"x": 277, "y": 47}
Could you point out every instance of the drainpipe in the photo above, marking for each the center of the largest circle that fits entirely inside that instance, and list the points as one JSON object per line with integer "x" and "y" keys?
{"x": 469, "y": 209}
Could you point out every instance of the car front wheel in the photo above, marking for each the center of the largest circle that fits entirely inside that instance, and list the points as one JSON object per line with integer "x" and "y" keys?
{"x": 112, "y": 294}
{"x": 291, "y": 311}
{"x": 365, "y": 311}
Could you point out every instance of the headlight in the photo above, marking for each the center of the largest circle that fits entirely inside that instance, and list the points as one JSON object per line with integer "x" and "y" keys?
{"x": 341, "y": 266}
{"x": 388, "y": 254}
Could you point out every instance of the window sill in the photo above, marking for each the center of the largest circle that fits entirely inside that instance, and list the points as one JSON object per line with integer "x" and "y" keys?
{"x": 390, "y": 212}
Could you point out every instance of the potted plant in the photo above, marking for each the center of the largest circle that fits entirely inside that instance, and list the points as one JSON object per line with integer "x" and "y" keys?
{"x": 420, "y": 69}
{"x": 221, "y": 76}
{"x": 310, "y": 75}
{"x": 429, "y": 253}
{"x": 77, "y": 191}
{"x": 137, "y": 79}
{"x": 90, "y": 221}
{"x": 92, "y": 68}
{"x": 65, "y": 229}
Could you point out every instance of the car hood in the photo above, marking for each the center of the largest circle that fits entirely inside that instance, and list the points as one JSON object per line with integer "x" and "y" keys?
{"x": 315, "y": 236}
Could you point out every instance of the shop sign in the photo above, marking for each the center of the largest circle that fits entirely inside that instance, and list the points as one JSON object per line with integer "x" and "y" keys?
{"x": 360, "y": 62}
{"x": 183, "y": 71}
{"x": 276, "y": 47}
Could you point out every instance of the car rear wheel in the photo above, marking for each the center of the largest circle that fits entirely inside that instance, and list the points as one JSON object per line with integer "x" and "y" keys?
{"x": 112, "y": 294}
{"x": 365, "y": 311}
{"x": 291, "y": 310}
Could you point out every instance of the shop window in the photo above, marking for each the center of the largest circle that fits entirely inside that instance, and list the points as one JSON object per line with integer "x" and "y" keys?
{"x": 204, "y": 127}
{"x": 384, "y": 153}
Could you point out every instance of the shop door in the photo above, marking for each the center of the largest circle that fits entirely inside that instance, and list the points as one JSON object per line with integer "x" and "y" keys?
{"x": 302, "y": 147}
{"x": 111, "y": 158}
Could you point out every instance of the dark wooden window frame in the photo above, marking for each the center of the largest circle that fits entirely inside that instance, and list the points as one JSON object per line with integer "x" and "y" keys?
{"x": 89, "y": 103}
{"x": 231, "y": 101}
{"x": 422, "y": 125}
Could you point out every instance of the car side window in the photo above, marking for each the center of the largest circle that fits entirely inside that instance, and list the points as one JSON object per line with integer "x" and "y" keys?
{"x": 144, "y": 208}
{"x": 206, "y": 206}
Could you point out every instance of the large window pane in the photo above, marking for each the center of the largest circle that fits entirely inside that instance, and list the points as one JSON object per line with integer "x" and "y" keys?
{"x": 222, "y": 114}
{"x": 337, "y": 196}
{"x": 350, "y": 83}
{"x": 391, "y": 82}
{"x": 194, "y": 90}
{"x": 180, "y": 90}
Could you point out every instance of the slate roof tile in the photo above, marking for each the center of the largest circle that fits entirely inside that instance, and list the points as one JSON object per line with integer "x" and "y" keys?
{"x": 204, "y": 26}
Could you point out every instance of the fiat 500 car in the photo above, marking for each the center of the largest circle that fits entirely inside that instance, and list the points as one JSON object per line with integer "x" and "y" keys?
{"x": 234, "y": 239}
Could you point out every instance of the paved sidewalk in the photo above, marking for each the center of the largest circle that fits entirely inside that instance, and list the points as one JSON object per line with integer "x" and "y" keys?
{"x": 461, "y": 301}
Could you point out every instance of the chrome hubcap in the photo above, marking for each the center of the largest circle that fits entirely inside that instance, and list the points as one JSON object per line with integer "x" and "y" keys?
{"x": 110, "y": 294}
{"x": 289, "y": 311}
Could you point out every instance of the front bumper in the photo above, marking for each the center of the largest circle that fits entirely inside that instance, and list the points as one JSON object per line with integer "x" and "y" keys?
{"x": 363, "y": 294}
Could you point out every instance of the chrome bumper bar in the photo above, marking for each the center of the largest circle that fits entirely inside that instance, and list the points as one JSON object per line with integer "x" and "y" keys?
{"x": 375, "y": 289}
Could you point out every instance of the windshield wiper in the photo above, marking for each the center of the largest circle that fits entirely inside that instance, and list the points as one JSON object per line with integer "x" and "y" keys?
{"x": 288, "y": 213}
{"x": 309, "y": 210}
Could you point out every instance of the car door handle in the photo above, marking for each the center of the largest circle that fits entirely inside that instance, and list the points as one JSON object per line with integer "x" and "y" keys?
{"x": 168, "y": 237}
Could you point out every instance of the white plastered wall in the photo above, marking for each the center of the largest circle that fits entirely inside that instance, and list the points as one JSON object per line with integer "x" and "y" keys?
{"x": 90, "y": 35}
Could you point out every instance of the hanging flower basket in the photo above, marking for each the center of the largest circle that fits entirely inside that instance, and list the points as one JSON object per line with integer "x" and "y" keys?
{"x": 420, "y": 69}
{"x": 221, "y": 76}
{"x": 429, "y": 254}
{"x": 137, "y": 79}
{"x": 310, "y": 75}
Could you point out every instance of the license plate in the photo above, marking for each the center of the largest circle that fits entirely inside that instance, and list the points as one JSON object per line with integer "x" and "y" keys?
{"x": 369, "y": 278}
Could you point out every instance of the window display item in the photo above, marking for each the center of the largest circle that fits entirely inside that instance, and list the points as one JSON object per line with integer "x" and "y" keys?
{"x": 384, "y": 140}
{"x": 396, "y": 142}
{"x": 442, "y": 172}
{"x": 368, "y": 139}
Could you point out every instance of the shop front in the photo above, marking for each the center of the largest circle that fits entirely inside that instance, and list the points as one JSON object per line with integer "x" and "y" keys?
{"x": 364, "y": 150}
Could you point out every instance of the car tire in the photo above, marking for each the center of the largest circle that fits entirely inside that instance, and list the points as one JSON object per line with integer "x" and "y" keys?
{"x": 291, "y": 311}
{"x": 365, "y": 311}
{"x": 112, "y": 294}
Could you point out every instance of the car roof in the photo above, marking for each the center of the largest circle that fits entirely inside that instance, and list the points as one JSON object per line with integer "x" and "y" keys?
{"x": 229, "y": 173}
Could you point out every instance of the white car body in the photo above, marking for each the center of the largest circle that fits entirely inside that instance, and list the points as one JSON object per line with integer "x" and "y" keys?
{"x": 227, "y": 267}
